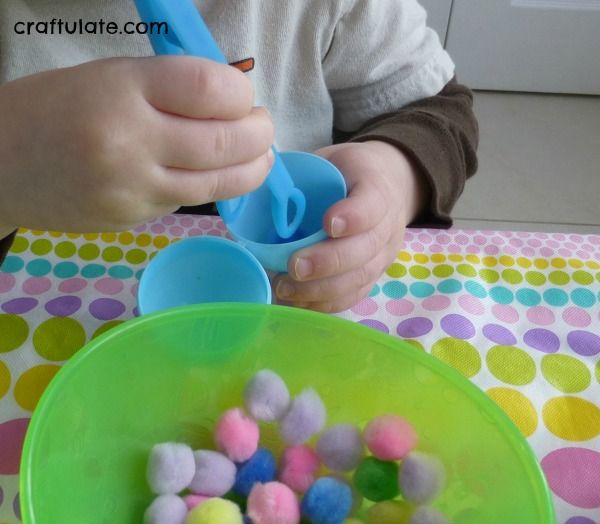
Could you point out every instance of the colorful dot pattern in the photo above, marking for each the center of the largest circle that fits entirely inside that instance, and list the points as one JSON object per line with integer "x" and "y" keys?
{"x": 517, "y": 313}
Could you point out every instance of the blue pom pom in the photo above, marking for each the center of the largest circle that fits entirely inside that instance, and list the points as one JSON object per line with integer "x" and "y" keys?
{"x": 327, "y": 501}
{"x": 247, "y": 520}
{"x": 261, "y": 467}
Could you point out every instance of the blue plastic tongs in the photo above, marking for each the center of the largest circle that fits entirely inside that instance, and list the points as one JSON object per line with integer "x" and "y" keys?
{"x": 189, "y": 35}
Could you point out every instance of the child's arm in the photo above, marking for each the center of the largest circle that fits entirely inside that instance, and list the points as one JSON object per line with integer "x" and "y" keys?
{"x": 439, "y": 135}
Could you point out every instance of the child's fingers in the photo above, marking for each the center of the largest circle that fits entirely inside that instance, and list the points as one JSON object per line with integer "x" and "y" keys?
{"x": 341, "y": 303}
{"x": 339, "y": 255}
{"x": 195, "y": 87}
{"x": 188, "y": 188}
{"x": 211, "y": 144}
{"x": 367, "y": 200}
{"x": 362, "y": 210}
{"x": 331, "y": 288}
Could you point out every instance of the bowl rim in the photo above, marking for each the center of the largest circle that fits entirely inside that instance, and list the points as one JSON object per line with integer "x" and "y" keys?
{"x": 514, "y": 437}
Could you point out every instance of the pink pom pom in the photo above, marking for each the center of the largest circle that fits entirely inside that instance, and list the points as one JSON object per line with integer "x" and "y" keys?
{"x": 191, "y": 501}
{"x": 237, "y": 435}
{"x": 390, "y": 437}
{"x": 273, "y": 503}
{"x": 298, "y": 467}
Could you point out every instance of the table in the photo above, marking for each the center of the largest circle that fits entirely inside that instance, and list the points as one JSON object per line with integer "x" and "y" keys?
{"x": 517, "y": 313}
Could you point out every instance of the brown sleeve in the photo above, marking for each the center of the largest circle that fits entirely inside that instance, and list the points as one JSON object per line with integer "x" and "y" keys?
{"x": 440, "y": 135}
{"x": 5, "y": 244}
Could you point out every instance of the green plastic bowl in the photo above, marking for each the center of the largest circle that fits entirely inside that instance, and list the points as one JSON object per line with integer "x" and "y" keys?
{"x": 168, "y": 376}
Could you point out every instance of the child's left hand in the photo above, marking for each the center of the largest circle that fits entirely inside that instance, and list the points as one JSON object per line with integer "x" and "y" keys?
{"x": 385, "y": 193}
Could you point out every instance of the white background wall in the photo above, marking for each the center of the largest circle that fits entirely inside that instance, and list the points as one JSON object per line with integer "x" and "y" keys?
{"x": 550, "y": 46}
{"x": 438, "y": 14}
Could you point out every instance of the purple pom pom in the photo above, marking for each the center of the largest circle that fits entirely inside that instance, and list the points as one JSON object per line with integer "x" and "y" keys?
{"x": 266, "y": 396}
{"x": 215, "y": 474}
{"x": 305, "y": 418}
{"x": 171, "y": 468}
{"x": 166, "y": 509}
{"x": 422, "y": 477}
{"x": 341, "y": 447}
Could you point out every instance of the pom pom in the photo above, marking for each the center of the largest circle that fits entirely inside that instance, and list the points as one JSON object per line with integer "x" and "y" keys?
{"x": 389, "y": 512}
{"x": 422, "y": 477}
{"x": 240, "y": 500}
{"x": 327, "y": 501}
{"x": 237, "y": 435}
{"x": 215, "y": 511}
{"x": 266, "y": 396}
{"x": 298, "y": 467}
{"x": 191, "y": 501}
{"x": 215, "y": 474}
{"x": 357, "y": 498}
{"x": 353, "y": 521}
{"x": 273, "y": 503}
{"x": 377, "y": 480}
{"x": 390, "y": 437}
{"x": 305, "y": 417}
{"x": 260, "y": 468}
{"x": 426, "y": 515}
{"x": 341, "y": 447}
{"x": 166, "y": 509}
{"x": 171, "y": 468}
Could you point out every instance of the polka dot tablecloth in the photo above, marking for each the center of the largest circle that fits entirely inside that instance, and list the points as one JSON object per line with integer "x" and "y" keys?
{"x": 517, "y": 313}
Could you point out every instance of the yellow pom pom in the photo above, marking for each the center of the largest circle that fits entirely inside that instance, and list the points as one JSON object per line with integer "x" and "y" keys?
{"x": 353, "y": 521}
{"x": 215, "y": 511}
{"x": 389, "y": 512}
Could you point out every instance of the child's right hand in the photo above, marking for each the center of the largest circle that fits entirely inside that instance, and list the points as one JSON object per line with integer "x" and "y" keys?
{"x": 113, "y": 143}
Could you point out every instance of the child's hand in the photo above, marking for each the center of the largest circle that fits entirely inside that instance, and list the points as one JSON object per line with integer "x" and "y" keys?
{"x": 112, "y": 143}
{"x": 366, "y": 229}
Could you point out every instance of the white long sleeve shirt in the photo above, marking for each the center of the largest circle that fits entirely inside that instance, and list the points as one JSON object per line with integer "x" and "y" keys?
{"x": 317, "y": 63}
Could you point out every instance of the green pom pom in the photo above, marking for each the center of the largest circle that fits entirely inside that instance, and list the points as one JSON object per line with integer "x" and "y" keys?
{"x": 240, "y": 500}
{"x": 377, "y": 480}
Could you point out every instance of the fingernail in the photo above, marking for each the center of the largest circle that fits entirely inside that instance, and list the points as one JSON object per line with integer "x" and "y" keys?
{"x": 338, "y": 226}
{"x": 285, "y": 289}
{"x": 303, "y": 267}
